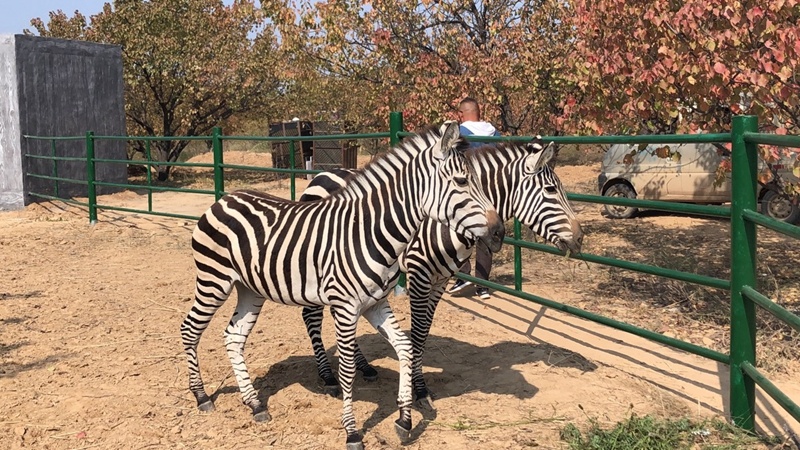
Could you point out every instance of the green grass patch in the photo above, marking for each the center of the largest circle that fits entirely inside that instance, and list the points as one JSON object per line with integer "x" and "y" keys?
{"x": 652, "y": 433}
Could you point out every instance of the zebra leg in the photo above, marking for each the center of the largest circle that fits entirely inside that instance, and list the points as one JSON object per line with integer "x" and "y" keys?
{"x": 368, "y": 373}
{"x": 345, "y": 322}
{"x": 425, "y": 296}
{"x": 208, "y": 297}
{"x": 382, "y": 318}
{"x": 244, "y": 318}
{"x": 312, "y": 317}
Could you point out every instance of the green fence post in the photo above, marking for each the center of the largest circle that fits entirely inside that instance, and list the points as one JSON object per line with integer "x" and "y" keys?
{"x": 219, "y": 176}
{"x": 291, "y": 166}
{"x": 90, "y": 177}
{"x": 55, "y": 165}
{"x": 517, "y": 256}
{"x": 149, "y": 175}
{"x": 744, "y": 160}
{"x": 395, "y": 127}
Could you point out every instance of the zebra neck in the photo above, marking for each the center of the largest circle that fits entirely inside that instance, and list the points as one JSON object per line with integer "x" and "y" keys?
{"x": 495, "y": 173}
{"x": 385, "y": 202}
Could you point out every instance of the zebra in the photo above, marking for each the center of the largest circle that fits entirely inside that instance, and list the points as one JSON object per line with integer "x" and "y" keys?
{"x": 519, "y": 182}
{"x": 341, "y": 252}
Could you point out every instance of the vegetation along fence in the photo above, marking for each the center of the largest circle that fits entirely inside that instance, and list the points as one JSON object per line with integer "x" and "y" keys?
{"x": 742, "y": 213}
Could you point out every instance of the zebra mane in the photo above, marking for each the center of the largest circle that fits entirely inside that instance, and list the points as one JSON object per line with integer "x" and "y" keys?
{"x": 492, "y": 150}
{"x": 403, "y": 152}
{"x": 508, "y": 150}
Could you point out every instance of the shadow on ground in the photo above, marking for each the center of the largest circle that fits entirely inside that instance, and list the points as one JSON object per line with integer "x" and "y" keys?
{"x": 458, "y": 368}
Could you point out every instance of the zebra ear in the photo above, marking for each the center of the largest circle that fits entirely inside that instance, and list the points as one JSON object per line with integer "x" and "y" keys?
{"x": 535, "y": 145}
{"x": 450, "y": 136}
{"x": 540, "y": 155}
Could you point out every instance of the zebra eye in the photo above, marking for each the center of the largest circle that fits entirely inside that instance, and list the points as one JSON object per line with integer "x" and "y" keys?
{"x": 550, "y": 189}
{"x": 461, "y": 181}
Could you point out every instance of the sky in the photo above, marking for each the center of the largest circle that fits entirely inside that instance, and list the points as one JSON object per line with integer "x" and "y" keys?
{"x": 17, "y": 14}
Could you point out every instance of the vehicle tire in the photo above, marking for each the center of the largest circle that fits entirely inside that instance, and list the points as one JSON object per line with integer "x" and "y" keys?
{"x": 779, "y": 206}
{"x": 616, "y": 211}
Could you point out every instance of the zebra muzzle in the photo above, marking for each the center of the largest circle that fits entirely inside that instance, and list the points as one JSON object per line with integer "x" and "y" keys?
{"x": 496, "y": 231}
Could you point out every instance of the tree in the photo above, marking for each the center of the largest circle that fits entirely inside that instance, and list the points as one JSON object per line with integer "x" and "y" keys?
{"x": 665, "y": 66}
{"x": 188, "y": 64}
{"x": 423, "y": 58}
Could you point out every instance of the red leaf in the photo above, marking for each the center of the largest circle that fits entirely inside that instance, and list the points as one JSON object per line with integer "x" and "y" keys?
{"x": 755, "y": 13}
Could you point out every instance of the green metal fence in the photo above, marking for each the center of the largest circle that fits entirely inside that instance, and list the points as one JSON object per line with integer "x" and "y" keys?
{"x": 217, "y": 139}
{"x": 742, "y": 214}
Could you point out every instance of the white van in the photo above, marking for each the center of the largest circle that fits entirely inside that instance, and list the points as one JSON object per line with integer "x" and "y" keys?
{"x": 682, "y": 173}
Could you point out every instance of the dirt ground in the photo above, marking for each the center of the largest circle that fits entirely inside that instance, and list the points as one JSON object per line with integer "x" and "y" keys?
{"x": 91, "y": 353}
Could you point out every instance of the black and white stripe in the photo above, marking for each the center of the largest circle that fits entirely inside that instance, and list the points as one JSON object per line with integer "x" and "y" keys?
{"x": 518, "y": 181}
{"x": 341, "y": 252}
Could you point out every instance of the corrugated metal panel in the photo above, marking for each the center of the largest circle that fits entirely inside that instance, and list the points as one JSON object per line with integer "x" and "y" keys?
{"x": 65, "y": 89}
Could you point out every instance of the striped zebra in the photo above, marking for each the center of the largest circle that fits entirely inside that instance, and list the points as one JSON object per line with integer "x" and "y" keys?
{"x": 519, "y": 183}
{"x": 340, "y": 252}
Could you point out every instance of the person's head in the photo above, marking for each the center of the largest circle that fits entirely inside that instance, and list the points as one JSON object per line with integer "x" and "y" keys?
{"x": 468, "y": 109}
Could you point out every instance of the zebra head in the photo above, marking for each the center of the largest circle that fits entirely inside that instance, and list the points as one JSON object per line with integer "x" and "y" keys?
{"x": 541, "y": 202}
{"x": 452, "y": 198}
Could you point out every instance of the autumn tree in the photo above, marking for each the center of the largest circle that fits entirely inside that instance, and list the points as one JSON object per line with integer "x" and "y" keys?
{"x": 422, "y": 58}
{"x": 188, "y": 65}
{"x": 665, "y": 66}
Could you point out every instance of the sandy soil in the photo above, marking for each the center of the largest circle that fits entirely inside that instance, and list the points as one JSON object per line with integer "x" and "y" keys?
{"x": 92, "y": 358}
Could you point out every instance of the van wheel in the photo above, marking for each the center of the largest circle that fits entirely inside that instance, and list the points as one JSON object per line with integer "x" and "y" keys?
{"x": 779, "y": 206}
{"x": 616, "y": 211}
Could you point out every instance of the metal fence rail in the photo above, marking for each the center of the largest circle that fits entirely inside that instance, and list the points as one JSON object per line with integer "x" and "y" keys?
{"x": 742, "y": 213}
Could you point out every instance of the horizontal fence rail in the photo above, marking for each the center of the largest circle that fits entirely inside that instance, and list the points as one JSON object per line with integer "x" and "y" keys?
{"x": 685, "y": 208}
{"x": 628, "y": 265}
{"x": 638, "y": 331}
{"x": 773, "y": 308}
{"x": 771, "y": 139}
{"x": 773, "y": 391}
{"x": 742, "y": 215}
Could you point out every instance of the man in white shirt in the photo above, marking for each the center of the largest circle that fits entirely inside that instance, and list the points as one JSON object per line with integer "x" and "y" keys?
{"x": 469, "y": 114}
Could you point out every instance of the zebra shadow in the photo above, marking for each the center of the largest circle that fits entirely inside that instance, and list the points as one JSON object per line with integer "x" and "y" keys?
{"x": 452, "y": 368}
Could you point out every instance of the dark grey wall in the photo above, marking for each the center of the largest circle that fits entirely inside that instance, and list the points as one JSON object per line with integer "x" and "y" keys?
{"x": 65, "y": 89}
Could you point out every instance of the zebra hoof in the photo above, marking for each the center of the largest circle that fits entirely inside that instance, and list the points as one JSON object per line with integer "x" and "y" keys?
{"x": 355, "y": 442}
{"x": 331, "y": 387}
{"x": 369, "y": 374}
{"x": 403, "y": 429}
{"x": 262, "y": 416}
{"x": 260, "y": 413}
{"x": 206, "y": 406}
{"x": 333, "y": 391}
{"x": 425, "y": 404}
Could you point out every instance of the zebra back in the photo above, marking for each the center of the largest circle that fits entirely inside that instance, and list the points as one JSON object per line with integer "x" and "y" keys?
{"x": 346, "y": 246}
{"x": 517, "y": 181}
